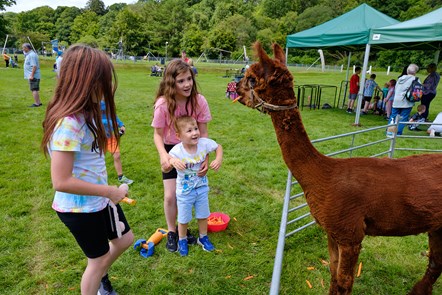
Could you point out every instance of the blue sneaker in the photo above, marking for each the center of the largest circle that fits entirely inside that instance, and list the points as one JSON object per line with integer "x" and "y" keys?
{"x": 183, "y": 248}
{"x": 206, "y": 244}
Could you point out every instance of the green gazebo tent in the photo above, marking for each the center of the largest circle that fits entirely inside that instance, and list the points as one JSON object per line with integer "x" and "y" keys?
{"x": 350, "y": 31}
{"x": 420, "y": 33}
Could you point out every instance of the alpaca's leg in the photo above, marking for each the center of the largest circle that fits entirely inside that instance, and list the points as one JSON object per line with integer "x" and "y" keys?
{"x": 334, "y": 261}
{"x": 348, "y": 258}
{"x": 434, "y": 269}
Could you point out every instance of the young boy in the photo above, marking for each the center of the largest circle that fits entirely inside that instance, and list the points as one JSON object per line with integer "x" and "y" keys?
{"x": 191, "y": 189}
{"x": 354, "y": 88}
{"x": 418, "y": 117}
{"x": 369, "y": 87}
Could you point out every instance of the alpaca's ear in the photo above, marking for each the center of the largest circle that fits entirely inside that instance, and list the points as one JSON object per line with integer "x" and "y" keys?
{"x": 264, "y": 59}
{"x": 278, "y": 52}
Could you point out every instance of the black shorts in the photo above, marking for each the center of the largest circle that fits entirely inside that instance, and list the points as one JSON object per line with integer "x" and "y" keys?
{"x": 94, "y": 230}
{"x": 172, "y": 174}
{"x": 367, "y": 98}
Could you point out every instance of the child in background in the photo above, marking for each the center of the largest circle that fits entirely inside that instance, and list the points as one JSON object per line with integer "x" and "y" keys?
{"x": 192, "y": 190}
{"x": 374, "y": 106}
{"x": 369, "y": 87}
{"x": 177, "y": 96}
{"x": 75, "y": 138}
{"x": 388, "y": 100}
{"x": 354, "y": 88}
{"x": 418, "y": 118}
{"x": 112, "y": 145}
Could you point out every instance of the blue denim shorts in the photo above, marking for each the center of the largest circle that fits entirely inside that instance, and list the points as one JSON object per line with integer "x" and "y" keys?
{"x": 198, "y": 198}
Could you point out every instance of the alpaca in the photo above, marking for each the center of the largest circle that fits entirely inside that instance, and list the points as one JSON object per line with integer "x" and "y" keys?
{"x": 335, "y": 188}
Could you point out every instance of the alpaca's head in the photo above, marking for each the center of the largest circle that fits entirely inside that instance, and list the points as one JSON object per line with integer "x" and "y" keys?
{"x": 267, "y": 82}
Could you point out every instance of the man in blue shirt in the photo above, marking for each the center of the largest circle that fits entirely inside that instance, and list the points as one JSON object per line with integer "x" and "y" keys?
{"x": 31, "y": 69}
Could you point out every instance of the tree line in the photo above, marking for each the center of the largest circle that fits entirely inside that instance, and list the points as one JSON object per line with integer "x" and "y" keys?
{"x": 218, "y": 28}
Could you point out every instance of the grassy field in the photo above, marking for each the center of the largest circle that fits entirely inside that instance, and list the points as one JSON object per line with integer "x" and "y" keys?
{"x": 39, "y": 255}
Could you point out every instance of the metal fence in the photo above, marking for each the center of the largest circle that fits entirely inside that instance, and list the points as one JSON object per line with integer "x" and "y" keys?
{"x": 295, "y": 212}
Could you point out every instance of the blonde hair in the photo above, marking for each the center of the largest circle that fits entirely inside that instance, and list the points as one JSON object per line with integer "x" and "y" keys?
{"x": 183, "y": 121}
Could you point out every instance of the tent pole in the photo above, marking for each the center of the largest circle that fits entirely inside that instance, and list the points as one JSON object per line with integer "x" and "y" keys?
{"x": 348, "y": 65}
{"x": 436, "y": 56}
{"x": 361, "y": 85}
{"x": 286, "y": 56}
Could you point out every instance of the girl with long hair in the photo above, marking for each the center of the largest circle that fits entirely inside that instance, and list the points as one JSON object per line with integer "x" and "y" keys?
{"x": 75, "y": 139}
{"x": 177, "y": 96}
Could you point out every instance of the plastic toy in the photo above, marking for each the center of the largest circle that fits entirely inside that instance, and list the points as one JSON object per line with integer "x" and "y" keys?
{"x": 147, "y": 248}
{"x": 127, "y": 200}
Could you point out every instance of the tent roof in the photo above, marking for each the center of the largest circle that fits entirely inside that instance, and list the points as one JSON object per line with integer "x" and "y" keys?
{"x": 424, "y": 33}
{"x": 346, "y": 32}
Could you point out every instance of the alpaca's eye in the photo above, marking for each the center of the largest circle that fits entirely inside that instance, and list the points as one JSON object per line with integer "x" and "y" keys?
{"x": 252, "y": 82}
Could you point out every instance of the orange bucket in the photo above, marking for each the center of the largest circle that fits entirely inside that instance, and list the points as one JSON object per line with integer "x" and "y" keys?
{"x": 217, "y": 221}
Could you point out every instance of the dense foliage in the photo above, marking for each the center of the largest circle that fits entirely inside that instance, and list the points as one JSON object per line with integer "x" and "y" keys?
{"x": 218, "y": 28}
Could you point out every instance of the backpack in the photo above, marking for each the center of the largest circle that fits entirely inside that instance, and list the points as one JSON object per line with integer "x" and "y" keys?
{"x": 414, "y": 92}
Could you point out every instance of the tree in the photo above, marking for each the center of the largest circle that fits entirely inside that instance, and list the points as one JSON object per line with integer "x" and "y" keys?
{"x": 4, "y": 3}
{"x": 96, "y": 6}
{"x": 84, "y": 24}
{"x": 63, "y": 24}
{"x": 313, "y": 16}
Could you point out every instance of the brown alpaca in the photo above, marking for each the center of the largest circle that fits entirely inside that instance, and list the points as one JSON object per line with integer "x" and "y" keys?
{"x": 335, "y": 189}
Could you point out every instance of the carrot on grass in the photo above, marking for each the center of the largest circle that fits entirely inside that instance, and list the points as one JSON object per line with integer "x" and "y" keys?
{"x": 309, "y": 284}
{"x": 359, "y": 270}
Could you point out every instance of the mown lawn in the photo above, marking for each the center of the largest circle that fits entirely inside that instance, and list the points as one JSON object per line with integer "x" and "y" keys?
{"x": 39, "y": 255}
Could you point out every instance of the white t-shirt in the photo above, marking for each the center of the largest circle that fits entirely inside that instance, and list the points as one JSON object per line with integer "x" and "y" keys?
{"x": 438, "y": 120}
{"x": 188, "y": 179}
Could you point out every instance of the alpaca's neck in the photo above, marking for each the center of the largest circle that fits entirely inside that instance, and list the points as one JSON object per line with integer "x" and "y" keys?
{"x": 299, "y": 154}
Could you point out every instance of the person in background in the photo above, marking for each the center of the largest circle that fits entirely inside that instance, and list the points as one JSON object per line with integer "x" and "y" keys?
{"x": 6, "y": 58}
{"x": 177, "y": 96}
{"x": 31, "y": 70}
{"x": 75, "y": 139}
{"x": 402, "y": 106}
{"x": 417, "y": 118}
{"x": 430, "y": 87}
{"x": 388, "y": 100}
{"x": 112, "y": 145}
{"x": 434, "y": 129}
{"x": 58, "y": 62}
{"x": 192, "y": 191}
{"x": 184, "y": 56}
{"x": 354, "y": 88}
{"x": 194, "y": 69}
{"x": 369, "y": 87}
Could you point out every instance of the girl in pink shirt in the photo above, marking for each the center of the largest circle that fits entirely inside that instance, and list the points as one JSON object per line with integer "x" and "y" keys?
{"x": 177, "y": 96}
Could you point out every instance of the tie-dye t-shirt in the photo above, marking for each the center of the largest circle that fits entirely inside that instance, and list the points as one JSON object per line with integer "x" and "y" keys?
{"x": 72, "y": 135}
{"x": 188, "y": 179}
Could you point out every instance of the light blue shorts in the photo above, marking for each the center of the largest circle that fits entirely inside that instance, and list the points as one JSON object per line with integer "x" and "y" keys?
{"x": 198, "y": 198}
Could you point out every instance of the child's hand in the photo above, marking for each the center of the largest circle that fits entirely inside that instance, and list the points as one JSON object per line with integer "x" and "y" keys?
{"x": 177, "y": 163}
{"x": 116, "y": 194}
{"x": 165, "y": 165}
{"x": 215, "y": 165}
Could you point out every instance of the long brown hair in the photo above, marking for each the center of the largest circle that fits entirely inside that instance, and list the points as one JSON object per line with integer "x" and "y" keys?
{"x": 86, "y": 77}
{"x": 168, "y": 91}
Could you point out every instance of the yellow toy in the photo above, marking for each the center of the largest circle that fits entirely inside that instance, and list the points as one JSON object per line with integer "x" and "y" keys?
{"x": 147, "y": 248}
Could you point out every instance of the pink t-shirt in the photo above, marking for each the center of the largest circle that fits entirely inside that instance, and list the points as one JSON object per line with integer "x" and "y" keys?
{"x": 161, "y": 117}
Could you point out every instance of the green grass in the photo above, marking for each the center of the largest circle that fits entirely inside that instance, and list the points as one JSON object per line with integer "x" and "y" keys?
{"x": 39, "y": 255}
